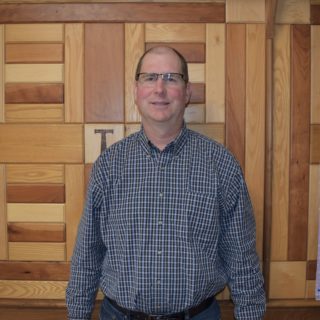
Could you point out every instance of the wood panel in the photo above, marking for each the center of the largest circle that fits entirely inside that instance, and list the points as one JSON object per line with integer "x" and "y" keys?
{"x": 134, "y": 48}
{"x": 235, "y": 90}
{"x": 36, "y": 251}
{"x": 34, "y": 93}
{"x": 245, "y": 11}
{"x": 104, "y": 78}
{"x": 255, "y": 123}
{"x": 74, "y": 204}
{"x": 35, "y": 193}
{"x": 311, "y": 270}
{"x": 35, "y": 113}
{"x": 310, "y": 289}
{"x": 41, "y": 143}
{"x": 195, "y": 113}
{"x": 196, "y": 72}
{"x": 315, "y": 14}
{"x": 74, "y": 72}
{"x": 2, "y": 73}
{"x": 3, "y": 215}
{"x": 34, "y": 73}
{"x": 116, "y": 12}
{"x": 281, "y": 144}
{"x": 213, "y": 131}
{"x": 175, "y": 32}
{"x": 315, "y": 143}
{"x": 34, "y": 52}
{"x": 300, "y": 143}
{"x": 36, "y": 232}
{"x": 198, "y": 93}
{"x": 293, "y": 11}
{"x": 215, "y": 73}
{"x": 35, "y": 212}
{"x": 315, "y": 74}
{"x": 31, "y": 173}
{"x": 45, "y": 271}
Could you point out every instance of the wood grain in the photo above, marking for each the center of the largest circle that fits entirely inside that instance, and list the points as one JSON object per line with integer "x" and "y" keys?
{"x": 36, "y": 232}
{"x": 34, "y": 52}
{"x": 198, "y": 93}
{"x": 104, "y": 77}
{"x": 293, "y": 11}
{"x": 36, "y": 212}
{"x": 213, "y": 131}
{"x": 2, "y": 81}
{"x": 37, "y": 143}
{"x": 215, "y": 73}
{"x": 34, "y": 93}
{"x": 44, "y": 271}
{"x": 236, "y": 90}
{"x": 245, "y": 11}
{"x": 113, "y": 12}
{"x": 196, "y": 72}
{"x": 315, "y": 143}
{"x": 311, "y": 270}
{"x": 315, "y": 14}
{"x": 195, "y": 113}
{"x": 3, "y": 215}
{"x": 300, "y": 143}
{"x": 315, "y": 74}
{"x": 74, "y": 72}
{"x": 35, "y": 193}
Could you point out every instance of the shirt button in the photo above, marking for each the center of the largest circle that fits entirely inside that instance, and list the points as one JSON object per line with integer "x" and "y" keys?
{"x": 159, "y": 252}
{"x": 158, "y": 282}
{"x": 160, "y": 223}
{"x": 161, "y": 194}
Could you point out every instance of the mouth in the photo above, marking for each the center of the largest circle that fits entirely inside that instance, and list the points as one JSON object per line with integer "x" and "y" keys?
{"x": 160, "y": 103}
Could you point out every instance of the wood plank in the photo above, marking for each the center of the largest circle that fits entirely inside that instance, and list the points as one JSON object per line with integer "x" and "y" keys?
{"x": 43, "y": 32}
{"x": 192, "y": 52}
{"x": 104, "y": 78}
{"x": 315, "y": 74}
{"x": 134, "y": 48}
{"x": 175, "y": 32}
{"x": 310, "y": 289}
{"x": 36, "y": 251}
{"x": 39, "y": 212}
{"x": 213, "y": 131}
{"x": 74, "y": 204}
{"x": 311, "y": 270}
{"x": 300, "y": 143}
{"x": 34, "y": 52}
{"x": 255, "y": 124}
{"x": 215, "y": 73}
{"x": 236, "y": 90}
{"x": 44, "y": 271}
{"x": 196, "y": 72}
{"x": 315, "y": 143}
{"x": 35, "y": 193}
{"x": 31, "y": 173}
{"x": 74, "y": 72}
{"x": 34, "y": 73}
{"x": 22, "y": 289}
{"x": 36, "y": 232}
{"x": 281, "y": 143}
{"x": 315, "y": 14}
{"x": 3, "y": 215}
{"x": 195, "y": 113}
{"x": 34, "y": 93}
{"x": 113, "y": 12}
{"x": 37, "y": 143}
{"x": 245, "y": 11}
{"x": 198, "y": 93}
{"x": 293, "y": 11}
{"x": 35, "y": 113}
{"x": 313, "y": 216}
{"x": 2, "y": 62}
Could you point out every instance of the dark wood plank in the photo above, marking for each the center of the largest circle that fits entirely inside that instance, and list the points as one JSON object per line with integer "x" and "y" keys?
{"x": 104, "y": 73}
{"x": 36, "y": 232}
{"x": 34, "y": 93}
{"x": 311, "y": 270}
{"x": 34, "y": 52}
{"x": 198, "y": 93}
{"x": 24, "y": 193}
{"x": 315, "y": 14}
{"x": 193, "y": 52}
{"x": 45, "y": 271}
{"x": 236, "y": 90}
{"x": 113, "y": 12}
{"x": 315, "y": 144}
{"x": 300, "y": 143}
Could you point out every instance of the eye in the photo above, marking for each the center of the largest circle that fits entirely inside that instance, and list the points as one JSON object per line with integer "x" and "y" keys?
{"x": 150, "y": 77}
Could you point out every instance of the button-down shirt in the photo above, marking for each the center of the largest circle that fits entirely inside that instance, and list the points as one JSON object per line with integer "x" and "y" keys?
{"x": 163, "y": 230}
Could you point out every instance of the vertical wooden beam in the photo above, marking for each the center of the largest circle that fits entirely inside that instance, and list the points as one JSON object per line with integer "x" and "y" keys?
{"x": 315, "y": 74}
{"x": 2, "y": 84}
{"x": 3, "y": 215}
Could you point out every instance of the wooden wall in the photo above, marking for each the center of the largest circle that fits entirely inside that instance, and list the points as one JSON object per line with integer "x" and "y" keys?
{"x": 66, "y": 76}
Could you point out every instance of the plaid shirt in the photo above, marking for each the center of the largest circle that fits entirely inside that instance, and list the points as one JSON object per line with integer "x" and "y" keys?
{"x": 164, "y": 230}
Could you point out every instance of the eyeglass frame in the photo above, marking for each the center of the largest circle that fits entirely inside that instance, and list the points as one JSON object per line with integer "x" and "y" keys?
{"x": 160, "y": 74}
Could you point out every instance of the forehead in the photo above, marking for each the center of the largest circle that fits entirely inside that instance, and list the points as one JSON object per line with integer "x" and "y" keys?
{"x": 165, "y": 59}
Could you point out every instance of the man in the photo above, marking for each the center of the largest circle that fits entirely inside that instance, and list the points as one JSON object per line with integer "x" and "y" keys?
{"x": 168, "y": 221}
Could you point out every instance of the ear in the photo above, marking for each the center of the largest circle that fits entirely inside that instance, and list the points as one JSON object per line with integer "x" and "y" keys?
{"x": 188, "y": 93}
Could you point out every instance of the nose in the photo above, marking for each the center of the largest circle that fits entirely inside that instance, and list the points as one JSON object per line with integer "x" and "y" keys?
{"x": 160, "y": 85}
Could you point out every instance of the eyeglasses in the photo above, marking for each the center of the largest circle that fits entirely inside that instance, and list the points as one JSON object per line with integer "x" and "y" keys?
{"x": 170, "y": 78}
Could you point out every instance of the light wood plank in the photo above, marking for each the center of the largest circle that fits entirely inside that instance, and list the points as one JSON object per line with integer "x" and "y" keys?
{"x": 175, "y": 32}
{"x": 40, "y": 212}
{"x": 41, "y": 143}
{"x": 22, "y": 289}
{"x": 196, "y": 72}
{"x": 213, "y": 131}
{"x": 281, "y": 142}
{"x": 310, "y": 289}
{"x": 35, "y": 113}
{"x": 134, "y": 48}
{"x": 245, "y": 11}
{"x": 293, "y": 11}
{"x": 74, "y": 204}
{"x": 33, "y": 73}
{"x": 255, "y": 123}
{"x": 215, "y": 73}
{"x": 36, "y": 251}
{"x": 195, "y": 113}
{"x": 39, "y": 173}
{"x": 2, "y": 81}
{"x": 315, "y": 74}
{"x": 74, "y": 72}
{"x": 132, "y": 128}
{"x": 287, "y": 280}
{"x": 3, "y": 215}
{"x": 46, "y": 32}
